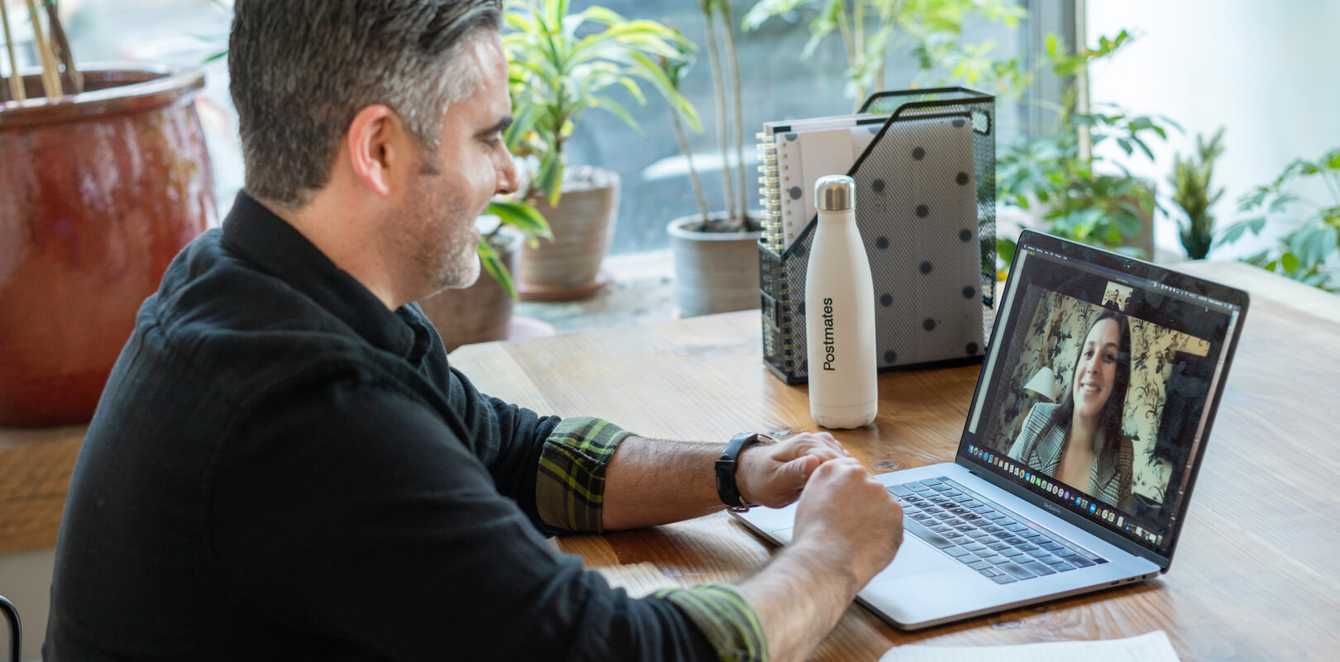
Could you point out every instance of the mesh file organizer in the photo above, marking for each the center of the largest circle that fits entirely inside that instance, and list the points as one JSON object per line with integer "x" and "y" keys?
{"x": 926, "y": 210}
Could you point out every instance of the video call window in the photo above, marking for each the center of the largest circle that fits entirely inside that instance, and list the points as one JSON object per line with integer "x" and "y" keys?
{"x": 1102, "y": 388}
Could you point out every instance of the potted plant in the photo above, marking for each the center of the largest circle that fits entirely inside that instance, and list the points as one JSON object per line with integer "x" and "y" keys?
{"x": 483, "y": 311}
{"x": 1194, "y": 194}
{"x": 1065, "y": 184}
{"x": 1307, "y": 252}
{"x": 107, "y": 177}
{"x": 559, "y": 68}
{"x": 716, "y": 252}
{"x": 931, "y": 31}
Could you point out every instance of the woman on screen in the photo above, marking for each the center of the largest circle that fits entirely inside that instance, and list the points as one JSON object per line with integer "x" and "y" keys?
{"x": 1079, "y": 441}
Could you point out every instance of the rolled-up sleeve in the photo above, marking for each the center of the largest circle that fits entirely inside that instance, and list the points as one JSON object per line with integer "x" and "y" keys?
{"x": 570, "y": 495}
{"x": 730, "y": 625}
{"x": 570, "y": 480}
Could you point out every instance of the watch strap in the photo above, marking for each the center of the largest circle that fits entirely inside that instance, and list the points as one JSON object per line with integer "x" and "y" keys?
{"x": 726, "y": 467}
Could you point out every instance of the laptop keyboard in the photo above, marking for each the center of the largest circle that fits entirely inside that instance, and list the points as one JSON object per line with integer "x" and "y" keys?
{"x": 1001, "y": 547}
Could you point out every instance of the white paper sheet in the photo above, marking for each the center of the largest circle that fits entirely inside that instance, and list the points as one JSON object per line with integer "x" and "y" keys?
{"x": 1149, "y": 647}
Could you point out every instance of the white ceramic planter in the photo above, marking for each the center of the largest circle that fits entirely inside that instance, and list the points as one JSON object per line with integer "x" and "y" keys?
{"x": 715, "y": 272}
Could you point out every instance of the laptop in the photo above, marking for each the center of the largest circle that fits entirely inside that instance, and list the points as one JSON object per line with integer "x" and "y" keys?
{"x": 1038, "y": 503}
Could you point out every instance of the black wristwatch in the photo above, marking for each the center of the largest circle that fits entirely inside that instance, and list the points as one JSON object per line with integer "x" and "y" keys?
{"x": 726, "y": 466}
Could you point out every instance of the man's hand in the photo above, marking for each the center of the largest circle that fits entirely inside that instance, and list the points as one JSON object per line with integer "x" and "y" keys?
{"x": 773, "y": 475}
{"x": 849, "y": 518}
{"x": 847, "y": 529}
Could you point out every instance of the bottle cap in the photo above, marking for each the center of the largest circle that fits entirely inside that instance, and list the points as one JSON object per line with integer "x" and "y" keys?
{"x": 835, "y": 193}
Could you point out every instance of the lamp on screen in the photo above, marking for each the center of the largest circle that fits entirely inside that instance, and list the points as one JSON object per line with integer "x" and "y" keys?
{"x": 1043, "y": 383}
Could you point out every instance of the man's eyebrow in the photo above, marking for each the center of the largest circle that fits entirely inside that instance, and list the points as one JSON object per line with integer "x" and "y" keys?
{"x": 498, "y": 127}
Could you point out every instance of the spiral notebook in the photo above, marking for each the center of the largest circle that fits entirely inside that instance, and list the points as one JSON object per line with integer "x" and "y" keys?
{"x": 916, "y": 207}
{"x": 794, "y": 154}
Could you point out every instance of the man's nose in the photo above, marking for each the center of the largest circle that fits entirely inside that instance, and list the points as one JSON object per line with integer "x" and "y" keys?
{"x": 507, "y": 177}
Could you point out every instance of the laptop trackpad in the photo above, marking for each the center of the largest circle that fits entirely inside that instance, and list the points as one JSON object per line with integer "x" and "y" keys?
{"x": 920, "y": 585}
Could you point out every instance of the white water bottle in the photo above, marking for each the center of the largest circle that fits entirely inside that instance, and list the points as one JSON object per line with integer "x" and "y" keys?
{"x": 840, "y": 313}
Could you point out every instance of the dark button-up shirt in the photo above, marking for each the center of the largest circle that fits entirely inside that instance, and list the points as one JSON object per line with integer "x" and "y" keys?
{"x": 282, "y": 468}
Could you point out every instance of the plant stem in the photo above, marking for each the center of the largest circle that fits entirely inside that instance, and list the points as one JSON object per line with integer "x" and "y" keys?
{"x": 858, "y": 24}
{"x": 683, "y": 141}
{"x": 854, "y": 54}
{"x": 50, "y": 75}
{"x": 728, "y": 21}
{"x": 845, "y": 31}
{"x": 62, "y": 43}
{"x": 719, "y": 86}
{"x": 15, "y": 80}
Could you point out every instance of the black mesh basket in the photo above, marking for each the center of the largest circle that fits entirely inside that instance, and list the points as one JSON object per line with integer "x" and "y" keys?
{"x": 922, "y": 316}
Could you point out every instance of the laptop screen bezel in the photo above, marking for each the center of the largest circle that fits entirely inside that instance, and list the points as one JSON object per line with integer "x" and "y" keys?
{"x": 1030, "y": 240}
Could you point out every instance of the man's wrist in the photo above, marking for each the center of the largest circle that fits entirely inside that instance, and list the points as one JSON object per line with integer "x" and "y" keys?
{"x": 743, "y": 474}
{"x": 828, "y": 559}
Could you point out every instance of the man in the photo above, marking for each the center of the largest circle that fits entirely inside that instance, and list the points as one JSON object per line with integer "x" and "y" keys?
{"x": 284, "y": 466}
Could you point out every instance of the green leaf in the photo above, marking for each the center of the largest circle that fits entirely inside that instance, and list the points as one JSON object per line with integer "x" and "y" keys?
{"x": 522, "y": 216}
{"x": 1333, "y": 160}
{"x": 1143, "y": 147}
{"x": 554, "y": 11}
{"x": 519, "y": 22}
{"x": 549, "y": 180}
{"x": 1052, "y": 45}
{"x": 1313, "y": 243}
{"x": 561, "y": 63}
{"x": 1289, "y": 262}
{"x": 601, "y": 15}
{"x": 768, "y": 9}
{"x": 634, "y": 90}
{"x": 522, "y": 122}
{"x": 647, "y": 70}
{"x": 1282, "y": 202}
{"x": 617, "y": 109}
{"x": 493, "y": 264}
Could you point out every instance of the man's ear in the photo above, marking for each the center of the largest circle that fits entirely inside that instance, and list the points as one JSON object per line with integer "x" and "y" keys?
{"x": 374, "y": 147}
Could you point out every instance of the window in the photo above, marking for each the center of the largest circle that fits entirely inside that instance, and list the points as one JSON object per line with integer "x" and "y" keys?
{"x": 777, "y": 84}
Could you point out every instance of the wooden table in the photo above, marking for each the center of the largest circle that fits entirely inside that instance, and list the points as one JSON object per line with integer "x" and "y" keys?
{"x": 1253, "y": 579}
{"x": 1254, "y": 576}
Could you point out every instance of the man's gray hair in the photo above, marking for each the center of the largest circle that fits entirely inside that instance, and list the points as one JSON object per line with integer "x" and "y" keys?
{"x": 302, "y": 69}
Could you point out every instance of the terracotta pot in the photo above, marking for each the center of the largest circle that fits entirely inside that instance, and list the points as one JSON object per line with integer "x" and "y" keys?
{"x": 481, "y": 312}
{"x": 715, "y": 272}
{"x": 583, "y": 226}
{"x": 99, "y": 192}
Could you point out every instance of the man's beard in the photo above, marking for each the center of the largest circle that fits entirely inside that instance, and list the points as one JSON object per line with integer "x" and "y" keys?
{"x": 439, "y": 238}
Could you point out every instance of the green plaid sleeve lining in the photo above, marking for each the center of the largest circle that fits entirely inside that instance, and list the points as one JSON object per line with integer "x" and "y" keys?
{"x": 570, "y": 483}
{"x": 725, "y": 618}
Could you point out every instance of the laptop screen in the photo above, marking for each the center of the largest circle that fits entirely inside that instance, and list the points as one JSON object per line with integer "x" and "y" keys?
{"x": 1098, "y": 389}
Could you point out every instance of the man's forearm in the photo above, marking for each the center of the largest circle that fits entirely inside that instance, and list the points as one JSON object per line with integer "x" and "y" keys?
{"x": 799, "y": 597}
{"x": 651, "y": 481}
